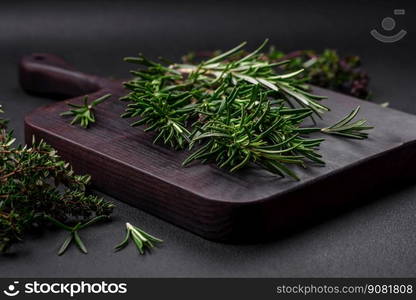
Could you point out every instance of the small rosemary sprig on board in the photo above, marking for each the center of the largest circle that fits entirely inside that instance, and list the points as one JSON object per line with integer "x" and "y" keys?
{"x": 346, "y": 128}
{"x": 141, "y": 239}
{"x": 84, "y": 114}
{"x": 234, "y": 109}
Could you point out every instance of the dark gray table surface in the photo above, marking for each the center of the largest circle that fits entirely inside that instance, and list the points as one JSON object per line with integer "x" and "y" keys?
{"x": 377, "y": 239}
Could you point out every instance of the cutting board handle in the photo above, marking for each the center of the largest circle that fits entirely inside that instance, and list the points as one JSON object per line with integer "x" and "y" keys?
{"x": 50, "y": 75}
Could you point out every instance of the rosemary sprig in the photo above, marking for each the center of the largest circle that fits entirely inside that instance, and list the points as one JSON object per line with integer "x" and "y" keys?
{"x": 73, "y": 232}
{"x": 327, "y": 69}
{"x": 263, "y": 134}
{"x": 234, "y": 109}
{"x": 252, "y": 69}
{"x": 346, "y": 128}
{"x": 84, "y": 114}
{"x": 141, "y": 239}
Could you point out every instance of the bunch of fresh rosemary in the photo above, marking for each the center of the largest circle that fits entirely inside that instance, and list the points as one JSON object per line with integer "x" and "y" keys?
{"x": 327, "y": 69}
{"x": 37, "y": 185}
{"x": 234, "y": 109}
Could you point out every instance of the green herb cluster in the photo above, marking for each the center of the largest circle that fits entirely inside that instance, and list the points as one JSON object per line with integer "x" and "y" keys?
{"x": 327, "y": 69}
{"x": 141, "y": 239}
{"x": 34, "y": 183}
{"x": 84, "y": 114}
{"x": 233, "y": 110}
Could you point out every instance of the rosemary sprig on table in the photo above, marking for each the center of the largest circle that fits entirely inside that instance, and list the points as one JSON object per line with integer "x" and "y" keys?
{"x": 73, "y": 232}
{"x": 234, "y": 109}
{"x": 141, "y": 239}
{"x": 84, "y": 114}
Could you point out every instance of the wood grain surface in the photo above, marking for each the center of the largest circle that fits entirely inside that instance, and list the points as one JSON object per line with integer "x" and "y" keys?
{"x": 248, "y": 206}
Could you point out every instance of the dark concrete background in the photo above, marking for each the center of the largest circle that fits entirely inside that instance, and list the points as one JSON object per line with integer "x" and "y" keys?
{"x": 377, "y": 239}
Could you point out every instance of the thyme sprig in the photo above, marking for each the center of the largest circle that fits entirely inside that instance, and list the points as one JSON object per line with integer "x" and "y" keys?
{"x": 73, "y": 232}
{"x": 234, "y": 109}
{"x": 35, "y": 181}
{"x": 141, "y": 239}
{"x": 84, "y": 114}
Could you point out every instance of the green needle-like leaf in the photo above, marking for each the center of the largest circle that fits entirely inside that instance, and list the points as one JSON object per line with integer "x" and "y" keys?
{"x": 225, "y": 54}
{"x": 57, "y": 223}
{"x": 125, "y": 242}
{"x": 79, "y": 242}
{"x": 93, "y": 221}
{"x": 346, "y": 128}
{"x": 65, "y": 245}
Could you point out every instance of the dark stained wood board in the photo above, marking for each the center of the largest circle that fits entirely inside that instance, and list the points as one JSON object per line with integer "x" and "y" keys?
{"x": 245, "y": 206}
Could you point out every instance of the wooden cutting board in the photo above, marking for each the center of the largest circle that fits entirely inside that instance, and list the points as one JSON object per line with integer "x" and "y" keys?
{"x": 250, "y": 205}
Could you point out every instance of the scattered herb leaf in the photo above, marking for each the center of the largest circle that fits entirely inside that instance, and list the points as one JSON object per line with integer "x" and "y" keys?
{"x": 84, "y": 114}
{"x": 73, "y": 232}
{"x": 141, "y": 239}
{"x": 346, "y": 128}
